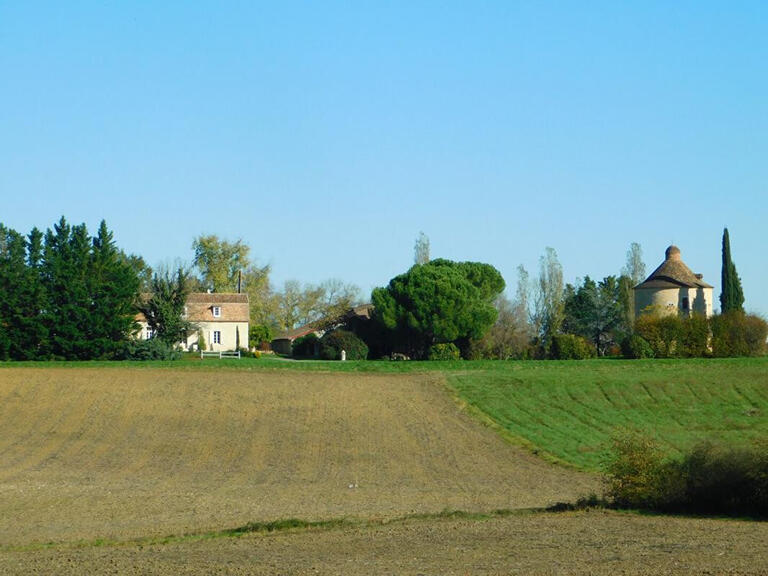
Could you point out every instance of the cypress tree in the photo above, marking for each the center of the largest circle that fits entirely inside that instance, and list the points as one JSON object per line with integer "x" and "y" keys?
{"x": 732, "y": 296}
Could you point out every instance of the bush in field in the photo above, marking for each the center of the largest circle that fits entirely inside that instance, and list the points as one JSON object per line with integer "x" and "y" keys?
{"x": 306, "y": 346}
{"x": 152, "y": 349}
{"x": 738, "y": 334}
{"x": 571, "y": 347}
{"x": 634, "y": 472}
{"x": 332, "y": 343}
{"x": 719, "y": 480}
{"x": 636, "y": 346}
{"x": 708, "y": 479}
{"x": 447, "y": 351}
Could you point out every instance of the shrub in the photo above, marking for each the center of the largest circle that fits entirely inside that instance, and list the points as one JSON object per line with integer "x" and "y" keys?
{"x": 635, "y": 346}
{"x": 708, "y": 479}
{"x": 332, "y": 343}
{"x": 693, "y": 337}
{"x": 719, "y": 480}
{"x": 634, "y": 472}
{"x": 737, "y": 334}
{"x": 673, "y": 336}
{"x": 448, "y": 351}
{"x": 306, "y": 346}
{"x": 570, "y": 347}
{"x": 152, "y": 349}
{"x": 259, "y": 335}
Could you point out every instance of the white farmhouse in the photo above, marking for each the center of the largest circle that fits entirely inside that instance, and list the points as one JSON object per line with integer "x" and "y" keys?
{"x": 220, "y": 318}
{"x": 673, "y": 289}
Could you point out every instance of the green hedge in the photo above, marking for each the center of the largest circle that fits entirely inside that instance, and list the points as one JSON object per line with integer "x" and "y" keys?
{"x": 709, "y": 479}
{"x": 332, "y": 343}
{"x": 571, "y": 347}
{"x": 724, "y": 335}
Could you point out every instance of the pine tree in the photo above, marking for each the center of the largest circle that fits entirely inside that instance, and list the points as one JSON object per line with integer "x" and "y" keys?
{"x": 113, "y": 287}
{"x": 732, "y": 296}
{"x": 164, "y": 311}
{"x": 38, "y": 344}
{"x": 65, "y": 270}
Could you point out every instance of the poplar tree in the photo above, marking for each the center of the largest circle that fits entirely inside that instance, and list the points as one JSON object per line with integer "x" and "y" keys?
{"x": 421, "y": 249}
{"x": 732, "y": 296}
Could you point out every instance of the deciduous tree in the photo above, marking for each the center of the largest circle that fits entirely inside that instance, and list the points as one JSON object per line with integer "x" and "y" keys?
{"x": 549, "y": 306}
{"x": 220, "y": 262}
{"x": 421, "y": 249}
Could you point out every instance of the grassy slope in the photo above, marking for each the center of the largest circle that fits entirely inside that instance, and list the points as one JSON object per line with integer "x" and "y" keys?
{"x": 572, "y": 410}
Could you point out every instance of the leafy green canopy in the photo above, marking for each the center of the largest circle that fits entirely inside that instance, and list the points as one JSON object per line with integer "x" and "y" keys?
{"x": 440, "y": 301}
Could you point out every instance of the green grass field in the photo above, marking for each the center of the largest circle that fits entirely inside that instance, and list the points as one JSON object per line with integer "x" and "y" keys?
{"x": 571, "y": 410}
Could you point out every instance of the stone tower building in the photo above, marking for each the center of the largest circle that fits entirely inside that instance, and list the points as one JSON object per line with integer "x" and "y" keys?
{"x": 673, "y": 289}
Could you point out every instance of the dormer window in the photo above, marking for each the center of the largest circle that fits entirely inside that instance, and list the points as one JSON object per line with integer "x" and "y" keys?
{"x": 217, "y": 311}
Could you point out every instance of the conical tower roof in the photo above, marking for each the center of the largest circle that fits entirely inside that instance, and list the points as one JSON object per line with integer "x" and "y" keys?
{"x": 673, "y": 273}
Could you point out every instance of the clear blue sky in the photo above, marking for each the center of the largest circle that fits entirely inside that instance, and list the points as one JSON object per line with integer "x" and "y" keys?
{"x": 327, "y": 135}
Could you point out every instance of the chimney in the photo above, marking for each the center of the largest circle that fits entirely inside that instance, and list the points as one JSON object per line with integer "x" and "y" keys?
{"x": 239, "y": 280}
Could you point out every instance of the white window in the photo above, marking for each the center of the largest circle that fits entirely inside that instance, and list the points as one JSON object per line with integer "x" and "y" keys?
{"x": 150, "y": 333}
{"x": 216, "y": 311}
{"x": 216, "y": 337}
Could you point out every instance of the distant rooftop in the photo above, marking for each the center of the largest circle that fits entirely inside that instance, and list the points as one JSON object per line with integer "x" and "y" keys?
{"x": 673, "y": 273}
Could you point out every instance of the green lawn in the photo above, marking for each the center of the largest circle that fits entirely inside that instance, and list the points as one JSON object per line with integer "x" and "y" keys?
{"x": 571, "y": 410}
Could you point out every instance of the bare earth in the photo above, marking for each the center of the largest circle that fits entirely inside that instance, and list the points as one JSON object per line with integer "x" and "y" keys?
{"x": 117, "y": 454}
{"x": 570, "y": 543}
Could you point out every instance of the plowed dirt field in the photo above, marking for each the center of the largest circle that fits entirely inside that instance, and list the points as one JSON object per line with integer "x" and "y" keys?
{"x": 596, "y": 543}
{"x": 115, "y": 454}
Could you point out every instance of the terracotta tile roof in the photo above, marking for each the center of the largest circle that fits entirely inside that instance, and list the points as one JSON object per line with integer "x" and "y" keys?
{"x": 673, "y": 273}
{"x": 217, "y": 298}
{"x": 233, "y": 307}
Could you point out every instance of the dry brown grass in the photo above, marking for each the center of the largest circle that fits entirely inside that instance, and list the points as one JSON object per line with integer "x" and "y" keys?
{"x": 88, "y": 453}
{"x": 571, "y": 543}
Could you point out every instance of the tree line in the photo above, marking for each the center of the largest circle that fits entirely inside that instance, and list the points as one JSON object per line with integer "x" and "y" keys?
{"x": 65, "y": 294}
{"x": 427, "y": 312}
